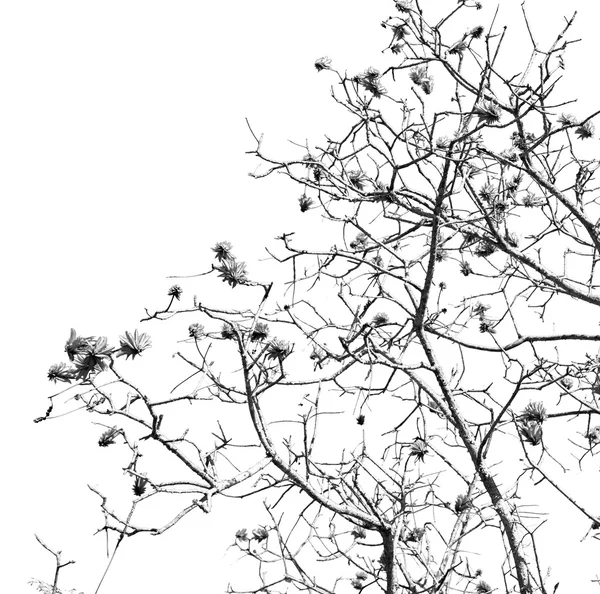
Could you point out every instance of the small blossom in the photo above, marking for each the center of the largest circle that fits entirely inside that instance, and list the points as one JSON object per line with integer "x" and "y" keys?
{"x": 360, "y": 420}
{"x": 59, "y": 372}
{"x": 77, "y": 344}
{"x": 94, "y": 359}
{"x": 242, "y": 535}
{"x": 484, "y": 249}
{"x": 139, "y": 485}
{"x": 359, "y": 242}
{"x": 278, "y": 349}
{"x": 534, "y": 411}
{"x": 566, "y": 382}
{"x": 419, "y": 449}
{"x": 567, "y": 119}
{"x": 487, "y": 192}
{"x": 585, "y": 131}
{"x": 305, "y": 203}
{"x": 401, "y": 31}
{"x": 462, "y": 503}
{"x": 233, "y": 272}
{"x": 415, "y": 535}
{"x": 357, "y": 179}
{"x": 259, "y": 534}
{"x": 260, "y": 332}
{"x": 403, "y": 5}
{"x": 442, "y": 143}
{"x": 483, "y": 587}
{"x": 532, "y": 432}
{"x": 133, "y": 344}
{"x": 227, "y": 331}
{"x": 593, "y": 435}
{"x": 479, "y": 309}
{"x": 108, "y": 437}
{"x": 380, "y": 319}
{"x": 359, "y": 532}
{"x": 458, "y": 48}
{"x": 323, "y": 63}
{"x": 441, "y": 255}
{"x": 486, "y": 325}
{"x": 175, "y": 291}
{"x": 223, "y": 251}
{"x": 196, "y": 331}
{"x": 465, "y": 269}
{"x": 370, "y": 81}
{"x": 487, "y": 112}
{"x": 476, "y": 32}
{"x": 530, "y": 201}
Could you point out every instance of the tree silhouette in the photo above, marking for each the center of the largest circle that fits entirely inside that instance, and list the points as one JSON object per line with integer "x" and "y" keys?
{"x": 415, "y": 378}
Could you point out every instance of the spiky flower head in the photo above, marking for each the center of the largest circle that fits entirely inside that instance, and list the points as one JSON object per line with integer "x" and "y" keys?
{"x": 401, "y": 31}
{"x": 357, "y": 179}
{"x": 479, "y": 309}
{"x": 359, "y": 242}
{"x": 585, "y": 131}
{"x": 593, "y": 435}
{"x": 487, "y": 112}
{"x": 486, "y": 325}
{"x": 94, "y": 359}
{"x": 482, "y": 587}
{"x": 196, "y": 331}
{"x": 476, "y": 32}
{"x": 360, "y": 420}
{"x": 133, "y": 344}
{"x": 242, "y": 535}
{"x": 108, "y": 437}
{"x": 415, "y": 535}
{"x": 530, "y": 200}
{"x": 175, "y": 291}
{"x": 233, "y": 272}
{"x": 442, "y": 143}
{"x": 487, "y": 192}
{"x": 458, "y": 48}
{"x": 419, "y": 449}
{"x": 76, "y": 345}
{"x": 534, "y": 411}
{"x": 532, "y": 432}
{"x": 139, "y": 485}
{"x": 305, "y": 202}
{"x": 278, "y": 350}
{"x": 259, "y": 534}
{"x": 567, "y": 119}
{"x": 227, "y": 331}
{"x": 323, "y": 63}
{"x": 418, "y": 74}
{"x": 465, "y": 268}
{"x": 59, "y": 372}
{"x": 370, "y": 81}
{"x": 358, "y": 532}
{"x": 379, "y": 319}
{"x": 223, "y": 251}
{"x": 462, "y": 503}
{"x": 260, "y": 332}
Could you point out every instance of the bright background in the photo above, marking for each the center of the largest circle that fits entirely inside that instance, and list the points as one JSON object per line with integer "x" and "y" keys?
{"x": 122, "y": 141}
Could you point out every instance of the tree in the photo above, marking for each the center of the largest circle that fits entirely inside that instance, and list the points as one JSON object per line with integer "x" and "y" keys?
{"x": 413, "y": 382}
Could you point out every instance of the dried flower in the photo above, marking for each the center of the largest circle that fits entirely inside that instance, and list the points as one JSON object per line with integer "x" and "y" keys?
{"x": 458, "y": 48}
{"x": 359, "y": 532}
{"x": 133, "y": 344}
{"x": 479, "y": 309}
{"x": 532, "y": 432}
{"x": 357, "y": 179}
{"x": 488, "y": 112}
{"x": 484, "y": 249}
{"x": 260, "y": 332}
{"x": 441, "y": 255}
{"x": 278, "y": 349}
{"x": 566, "y": 382}
{"x": 401, "y": 31}
{"x": 227, "y": 331}
{"x": 196, "y": 331}
{"x": 259, "y": 534}
{"x": 403, "y": 5}
{"x": 476, "y": 32}
{"x": 593, "y": 435}
{"x": 442, "y": 143}
{"x": 379, "y": 319}
{"x": 415, "y": 535}
{"x": 233, "y": 272}
{"x": 223, "y": 251}
{"x": 585, "y": 131}
{"x": 370, "y": 81}
{"x": 94, "y": 359}
{"x": 359, "y": 242}
{"x": 59, "y": 372}
{"x": 462, "y": 503}
{"x": 419, "y": 449}
{"x": 487, "y": 192}
{"x": 139, "y": 485}
{"x": 530, "y": 201}
{"x": 567, "y": 119}
{"x": 242, "y": 535}
{"x": 534, "y": 411}
{"x": 77, "y": 344}
{"x": 482, "y": 587}
{"x": 360, "y": 420}
{"x": 486, "y": 325}
{"x": 305, "y": 203}
{"x": 108, "y": 437}
{"x": 478, "y": 5}
{"x": 323, "y": 63}
{"x": 465, "y": 269}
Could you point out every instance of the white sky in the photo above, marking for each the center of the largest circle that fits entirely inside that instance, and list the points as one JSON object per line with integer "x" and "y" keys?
{"x": 122, "y": 140}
